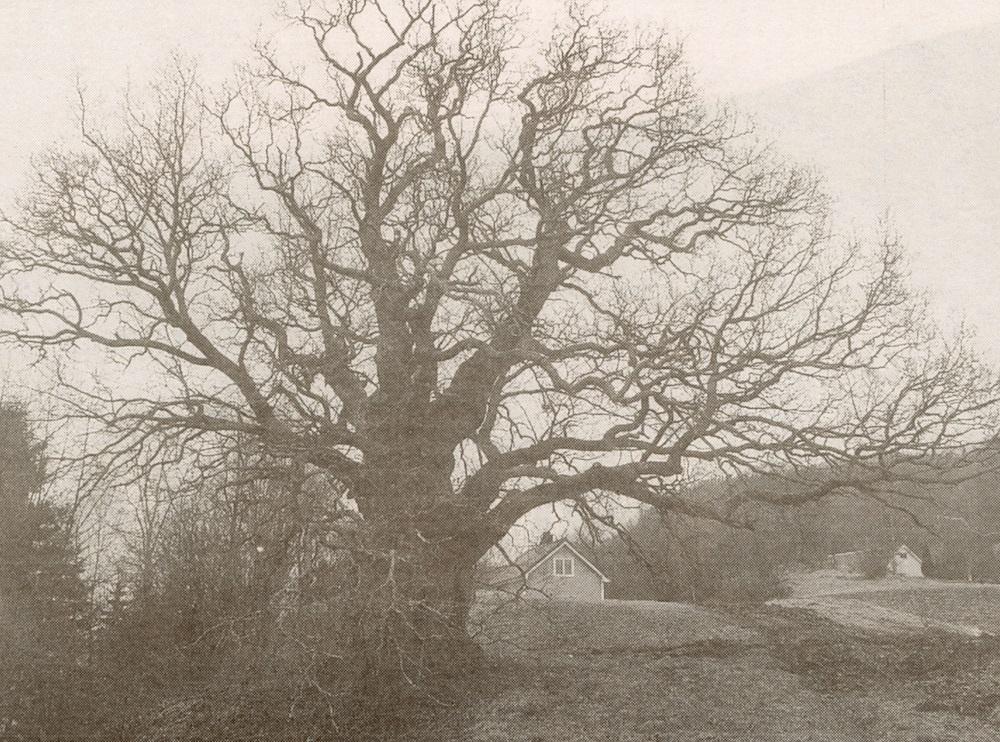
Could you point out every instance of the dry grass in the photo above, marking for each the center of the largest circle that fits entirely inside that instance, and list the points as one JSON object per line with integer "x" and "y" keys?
{"x": 556, "y": 627}
{"x": 617, "y": 671}
{"x": 964, "y": 603}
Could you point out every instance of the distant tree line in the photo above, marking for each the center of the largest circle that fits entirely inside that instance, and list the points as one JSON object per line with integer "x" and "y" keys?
{"x": 671, "y": 556}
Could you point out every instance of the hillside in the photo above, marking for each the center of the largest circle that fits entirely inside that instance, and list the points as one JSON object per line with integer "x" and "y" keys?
{"x": 666, "y": 671}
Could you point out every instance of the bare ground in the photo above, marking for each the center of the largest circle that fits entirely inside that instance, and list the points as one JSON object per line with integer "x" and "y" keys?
{"x": 661, "y": 671}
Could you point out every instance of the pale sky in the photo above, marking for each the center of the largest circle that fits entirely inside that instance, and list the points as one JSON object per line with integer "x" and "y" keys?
{"x": 735, "y": 45}
{"x": 737, "y": 48}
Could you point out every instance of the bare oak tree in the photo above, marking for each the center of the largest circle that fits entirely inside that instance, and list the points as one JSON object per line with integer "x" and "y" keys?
{"x": 458, "y": 278}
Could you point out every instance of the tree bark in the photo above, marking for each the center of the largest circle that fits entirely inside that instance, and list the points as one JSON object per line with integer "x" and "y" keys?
{"x": 417, "y": 554}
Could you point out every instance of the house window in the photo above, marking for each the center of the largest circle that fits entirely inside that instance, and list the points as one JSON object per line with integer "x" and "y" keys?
{"x": 562, "y": 566}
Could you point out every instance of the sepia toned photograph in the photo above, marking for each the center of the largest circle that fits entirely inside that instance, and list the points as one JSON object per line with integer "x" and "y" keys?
{"x": 500, "y": 370}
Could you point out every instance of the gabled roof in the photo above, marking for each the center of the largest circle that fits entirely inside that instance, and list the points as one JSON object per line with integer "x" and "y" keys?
{"x": 528, "y": 561}
{"x": 903, "y": 548}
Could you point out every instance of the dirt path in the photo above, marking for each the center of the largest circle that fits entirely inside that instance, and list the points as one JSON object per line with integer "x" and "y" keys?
{"x": 888, "y": 606}
{"x": 868, "y": 616}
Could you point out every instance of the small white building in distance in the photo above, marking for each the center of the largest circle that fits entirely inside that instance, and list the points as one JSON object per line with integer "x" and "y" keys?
{"x": 905, "y": 563}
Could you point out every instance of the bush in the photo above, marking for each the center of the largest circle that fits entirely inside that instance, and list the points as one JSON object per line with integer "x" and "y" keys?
{"x": 874, "y": 562}
{"x": 748, "y": 587}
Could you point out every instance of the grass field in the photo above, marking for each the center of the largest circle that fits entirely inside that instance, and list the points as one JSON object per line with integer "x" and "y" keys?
{"x": 645, "y": 671}
{"x": 976, "y": 605}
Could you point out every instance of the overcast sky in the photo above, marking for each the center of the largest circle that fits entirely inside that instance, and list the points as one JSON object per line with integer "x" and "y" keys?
{"x": 737, "y": 48}
{"x": 736, "y": 45}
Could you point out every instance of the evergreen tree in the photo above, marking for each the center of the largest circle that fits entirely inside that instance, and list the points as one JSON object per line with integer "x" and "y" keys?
{"x": 40, "y": 565}
{"x": 22, "y": 473}
{"x": 43, "y": 596}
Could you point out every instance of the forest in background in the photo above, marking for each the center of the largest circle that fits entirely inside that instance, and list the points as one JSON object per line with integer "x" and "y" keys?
{"x": 672, "y": 556}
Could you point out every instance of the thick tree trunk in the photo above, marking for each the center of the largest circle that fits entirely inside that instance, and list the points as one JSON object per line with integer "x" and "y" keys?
{"x": 405, "y": 630}
{"x": 412, "y": 585}
{"x": 418, "y": 569}
{"x": 404, "y": 644}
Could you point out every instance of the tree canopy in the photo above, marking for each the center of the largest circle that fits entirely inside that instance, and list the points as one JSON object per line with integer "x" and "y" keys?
{"x": 455, "y": 277}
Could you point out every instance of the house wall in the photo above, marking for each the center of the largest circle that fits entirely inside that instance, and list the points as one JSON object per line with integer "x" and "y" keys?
{"x": 905, "y": 565}
{"x": 585, "y": 584}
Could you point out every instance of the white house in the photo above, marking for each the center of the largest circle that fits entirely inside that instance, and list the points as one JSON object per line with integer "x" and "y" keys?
{"x": 552, "y": 569}
{"x": 905, "y": 563}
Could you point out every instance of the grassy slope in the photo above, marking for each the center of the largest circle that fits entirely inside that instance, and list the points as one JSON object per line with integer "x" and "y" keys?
{"x": 973, "y": 604}
{"x": 618, "y": 671}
